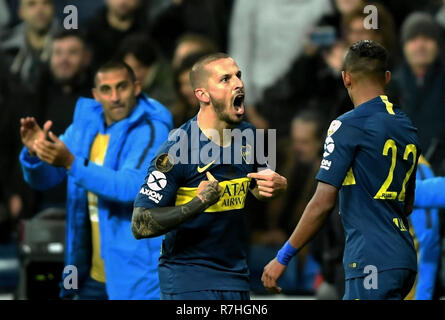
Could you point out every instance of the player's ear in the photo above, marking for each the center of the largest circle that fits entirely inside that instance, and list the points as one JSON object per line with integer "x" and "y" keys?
{"x": 202, "y": 95}
{"x": 137, "y": 88}
{"x": 387, "y": 77}
{"x": 346, "y": 76}
{"x": 95, "y": 95}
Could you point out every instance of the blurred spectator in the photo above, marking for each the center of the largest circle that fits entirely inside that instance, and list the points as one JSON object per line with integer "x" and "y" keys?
{"x": 5, "y": 16}
{"x": 186, "y": 104}
{"x": 327, "y": 249}
{"x": 58, "y": 87}
{"x": 207, "y": 18}
{"x": 191, "y": 43}
{"x": 85, "y": 9}
{"x": 440, "y": 15}
{"x": 111, "y": 24}
{"x": 27, "y": 46}
{"x": 400, "y": 9}
{"x": 419, "y": 84}
{"x": 67, "y": 79}
{"x": 303, "y": 163}
{"x": 312, "y": 81}
{"x": 6, "y": 217}
{"x": 342, "y": 8}
{"x": 354, "y": 29}
{"x": 152, "y": 71}
{"x": 282, "y": 214}
{"x": 104, "y": 153}
{"x": 346, "y": 7}
{"x": 267, "y": 36}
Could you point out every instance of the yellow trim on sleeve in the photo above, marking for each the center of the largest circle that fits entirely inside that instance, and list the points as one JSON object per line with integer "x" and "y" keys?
{"x": 389, "y": 105}
{"x": 349, "y": 179}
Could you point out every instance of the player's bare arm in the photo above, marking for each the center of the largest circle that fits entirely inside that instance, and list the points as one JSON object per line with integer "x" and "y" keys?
{"x": 269, "y": 184}
{"x": 148, "y": 223}
{"x": 310, "y": 223}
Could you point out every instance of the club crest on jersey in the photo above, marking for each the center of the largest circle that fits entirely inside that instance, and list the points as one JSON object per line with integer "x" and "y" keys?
{"x": 334, "y": 127}
{"x": 246, "y": 153}
{"x": 163, "y": 163}
{"x": 329, "y": 147}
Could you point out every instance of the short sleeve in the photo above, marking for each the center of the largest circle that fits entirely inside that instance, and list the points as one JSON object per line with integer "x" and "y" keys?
{"x": 339, "y": 149}
{"x": 161, "y": 183}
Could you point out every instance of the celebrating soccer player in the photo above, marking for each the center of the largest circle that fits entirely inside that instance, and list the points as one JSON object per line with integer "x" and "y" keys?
{"x": 197, "y": 198}
{"x": 370, "y": 156}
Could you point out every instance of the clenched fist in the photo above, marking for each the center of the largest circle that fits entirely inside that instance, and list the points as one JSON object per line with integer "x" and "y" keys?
{"x": 209, "y": 191}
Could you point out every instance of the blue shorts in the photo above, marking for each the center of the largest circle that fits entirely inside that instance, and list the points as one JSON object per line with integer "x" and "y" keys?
{"x": 207, "y": 295}
{"x": 392, "y": 284}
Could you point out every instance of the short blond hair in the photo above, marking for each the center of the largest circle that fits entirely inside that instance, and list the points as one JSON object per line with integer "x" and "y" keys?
{"x": 199, "y": 73}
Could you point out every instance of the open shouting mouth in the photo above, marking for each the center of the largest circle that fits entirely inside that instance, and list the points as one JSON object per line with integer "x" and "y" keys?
{"x": 238, "y": 103}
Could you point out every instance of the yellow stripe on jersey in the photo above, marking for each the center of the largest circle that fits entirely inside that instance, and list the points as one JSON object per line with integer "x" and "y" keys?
{"x": 233, "y": 195}
{"x": 349, "y": 179}
{"x": 388, "y": 104}
{"x": 97, "y": 155}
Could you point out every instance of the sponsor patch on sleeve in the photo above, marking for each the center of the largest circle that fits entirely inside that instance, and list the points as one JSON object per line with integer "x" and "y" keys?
{"x": 335, "y": 125}
{"x": 329, "y": 147}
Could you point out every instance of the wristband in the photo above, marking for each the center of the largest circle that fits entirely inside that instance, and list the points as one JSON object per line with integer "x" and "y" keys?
{"x": 286, "y": 253}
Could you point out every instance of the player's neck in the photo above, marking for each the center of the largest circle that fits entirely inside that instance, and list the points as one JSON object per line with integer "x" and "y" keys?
{"x": 366, "y": 93}
{"x": 210, "y": 124}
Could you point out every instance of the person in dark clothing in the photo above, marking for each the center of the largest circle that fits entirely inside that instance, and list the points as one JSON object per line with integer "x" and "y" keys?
{"x": 207, "y": 18}
{"x": 26, "y": 47}
{"x": 6, "y": 218}
{"x": 271, "y": 225}
{"x": 296, "y": 90}
{"x": 111, "y": 24}
{"x": 60, "y": 84}
{"x": 155, "y": 74}
{"x": 327, "y": 249}
{"x": 419, "y": 85}
{"x": 186, "y": 104}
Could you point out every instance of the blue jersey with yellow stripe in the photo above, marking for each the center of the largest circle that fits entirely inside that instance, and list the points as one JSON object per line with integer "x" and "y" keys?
{"x": 370, "y": 154}
{"x": 207, "y": 252}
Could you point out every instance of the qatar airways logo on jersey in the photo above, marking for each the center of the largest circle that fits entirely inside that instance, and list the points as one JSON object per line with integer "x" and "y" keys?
{"x": 246, "y": 146}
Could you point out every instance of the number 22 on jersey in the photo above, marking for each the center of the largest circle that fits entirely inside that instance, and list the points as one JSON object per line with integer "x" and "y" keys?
{"x": 383, "y": 192}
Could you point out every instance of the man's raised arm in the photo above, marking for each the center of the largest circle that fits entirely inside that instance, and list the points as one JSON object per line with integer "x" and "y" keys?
{"x": 153, "y": 222}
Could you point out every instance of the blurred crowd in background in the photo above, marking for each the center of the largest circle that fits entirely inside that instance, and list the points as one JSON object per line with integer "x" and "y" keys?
{"x": 290, "y": 52}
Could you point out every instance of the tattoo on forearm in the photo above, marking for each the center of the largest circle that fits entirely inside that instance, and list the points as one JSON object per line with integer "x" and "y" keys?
{"x": 148, "y": 223}
{"x": 143, "y": 225}
{"x": 210, "y": 194}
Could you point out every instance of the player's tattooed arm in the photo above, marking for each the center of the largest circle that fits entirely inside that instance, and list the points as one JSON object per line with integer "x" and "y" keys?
{"x": 148, "y": 223}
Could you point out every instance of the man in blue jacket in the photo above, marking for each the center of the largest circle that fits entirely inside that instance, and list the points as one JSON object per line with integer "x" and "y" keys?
{"x": 425, "y": 222}
{"x": 103, "y": 153}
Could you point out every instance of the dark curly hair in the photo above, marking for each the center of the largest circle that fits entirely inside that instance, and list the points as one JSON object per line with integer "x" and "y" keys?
{"x": 367, "y": 58}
